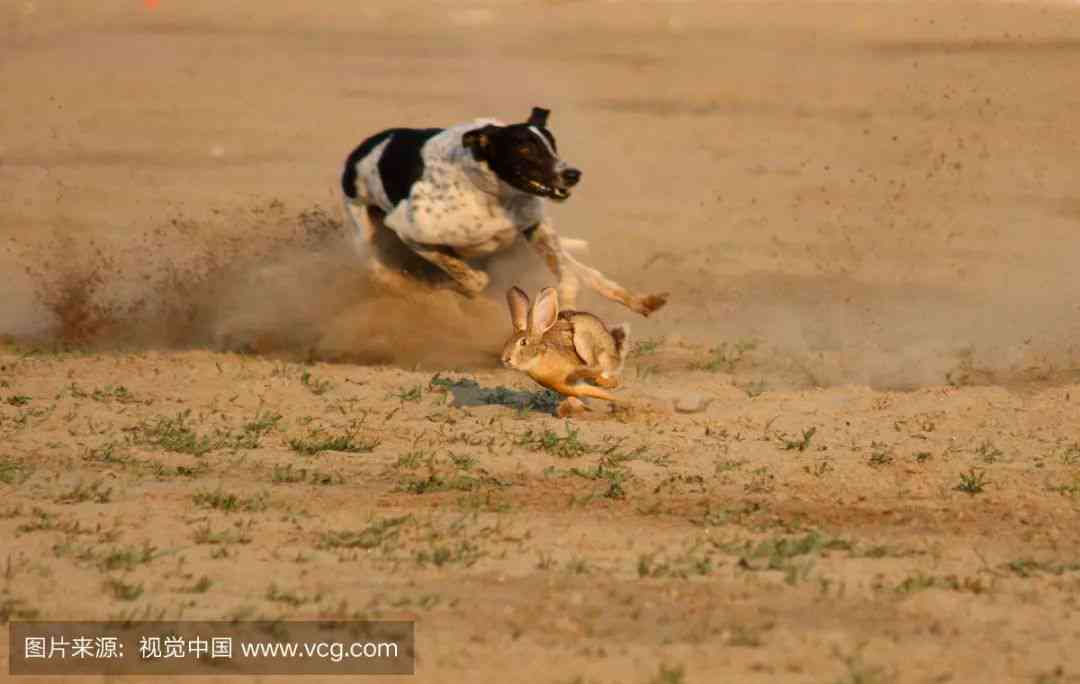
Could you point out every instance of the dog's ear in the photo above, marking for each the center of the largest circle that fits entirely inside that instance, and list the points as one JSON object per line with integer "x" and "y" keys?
{"x": 539, "y": 117}
{"x": 478, "y": 141}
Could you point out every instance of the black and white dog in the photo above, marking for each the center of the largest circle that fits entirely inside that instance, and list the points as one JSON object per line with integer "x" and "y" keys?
{"x": 456, "y": 194}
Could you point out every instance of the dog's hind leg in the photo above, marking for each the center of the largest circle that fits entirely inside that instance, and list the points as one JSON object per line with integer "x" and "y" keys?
{"x": 370, "y": 238}
{"x": 363, "y": 231}
{"x": 471, "y": 281}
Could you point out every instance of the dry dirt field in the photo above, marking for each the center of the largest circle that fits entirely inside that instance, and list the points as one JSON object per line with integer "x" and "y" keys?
{"x": 866, "y": 214}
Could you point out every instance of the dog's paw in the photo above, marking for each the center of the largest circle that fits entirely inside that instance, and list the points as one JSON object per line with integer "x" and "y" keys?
{"x": 650, "y": 303}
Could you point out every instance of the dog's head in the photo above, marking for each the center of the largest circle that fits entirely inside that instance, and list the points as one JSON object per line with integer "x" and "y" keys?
{"x": 524, "y": 156}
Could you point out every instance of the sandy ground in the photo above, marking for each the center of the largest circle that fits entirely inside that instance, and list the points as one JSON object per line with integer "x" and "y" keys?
{"x": 866, "y": 216}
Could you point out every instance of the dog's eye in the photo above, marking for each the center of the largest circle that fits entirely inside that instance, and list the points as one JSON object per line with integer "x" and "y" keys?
{"x": 525, "y": 151}
{"x": 521, "y": 342}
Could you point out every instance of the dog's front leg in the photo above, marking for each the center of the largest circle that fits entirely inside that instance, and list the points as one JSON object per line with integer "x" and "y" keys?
{"x": 471, "y": 281}
{"x": 563, "y": 265}
{"x": 546, "y": 242}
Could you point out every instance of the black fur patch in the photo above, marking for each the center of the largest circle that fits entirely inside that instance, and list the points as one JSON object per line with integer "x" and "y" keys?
{"x": 539, "y": 117}
{"x": 348, "y": 178}
{"x": 521, "y": 159}
{"x": 401, "y": 164}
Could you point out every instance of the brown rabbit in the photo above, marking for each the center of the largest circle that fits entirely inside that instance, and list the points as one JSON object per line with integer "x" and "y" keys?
{"x": 571, "y": 352}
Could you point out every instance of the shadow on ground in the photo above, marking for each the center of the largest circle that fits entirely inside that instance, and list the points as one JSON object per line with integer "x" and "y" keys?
{"x": 467, "y": 392}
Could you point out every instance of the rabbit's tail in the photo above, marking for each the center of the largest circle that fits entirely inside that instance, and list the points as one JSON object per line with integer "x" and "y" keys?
{"x": 621, "y": 334}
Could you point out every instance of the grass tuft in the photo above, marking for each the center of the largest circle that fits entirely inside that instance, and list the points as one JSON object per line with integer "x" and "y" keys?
{"x": 972, "y": 482}
{"x": 348, "y": 443}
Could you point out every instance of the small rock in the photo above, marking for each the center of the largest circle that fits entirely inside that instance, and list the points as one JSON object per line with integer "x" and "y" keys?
{"x": 691, "y": 403}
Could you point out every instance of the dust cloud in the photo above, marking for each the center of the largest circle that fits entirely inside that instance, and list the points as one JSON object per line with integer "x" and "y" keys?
{"x": 266, "y": 282}
{"x": 293, "y": 284}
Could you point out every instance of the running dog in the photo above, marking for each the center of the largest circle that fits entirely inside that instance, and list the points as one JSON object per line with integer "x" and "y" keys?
{"x": 462, "y": 193}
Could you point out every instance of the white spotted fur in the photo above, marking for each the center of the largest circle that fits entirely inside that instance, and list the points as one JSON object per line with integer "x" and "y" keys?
{"x": 457, "y": 202}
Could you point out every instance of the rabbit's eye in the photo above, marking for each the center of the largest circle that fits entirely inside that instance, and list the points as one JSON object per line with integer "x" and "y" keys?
{"x": 521, "y": 342}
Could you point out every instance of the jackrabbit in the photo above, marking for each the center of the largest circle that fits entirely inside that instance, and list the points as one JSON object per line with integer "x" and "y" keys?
{"x": 571, "y": 352}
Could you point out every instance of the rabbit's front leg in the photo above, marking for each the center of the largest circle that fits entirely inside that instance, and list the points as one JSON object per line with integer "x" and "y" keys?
{"x": 571, "y": 406}
{"x": 593, "y": 375}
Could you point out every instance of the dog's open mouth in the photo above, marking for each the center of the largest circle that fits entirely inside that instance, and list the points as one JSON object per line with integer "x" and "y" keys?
{"x": 547, "y": 190}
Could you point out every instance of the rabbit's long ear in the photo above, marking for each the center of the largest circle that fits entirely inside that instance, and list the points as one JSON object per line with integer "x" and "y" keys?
{"x": 518, "y": 302}
{"x": 544, "y": 312}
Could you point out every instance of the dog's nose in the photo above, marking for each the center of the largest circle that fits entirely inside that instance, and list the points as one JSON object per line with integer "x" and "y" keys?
{"x": 571, "y": 176}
